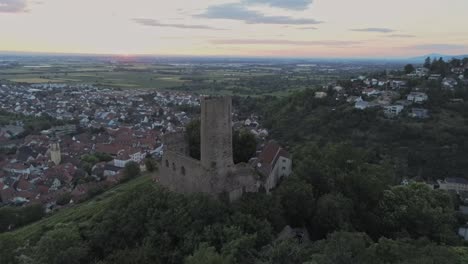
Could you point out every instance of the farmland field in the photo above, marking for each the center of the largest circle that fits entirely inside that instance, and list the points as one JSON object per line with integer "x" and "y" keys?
{"x": 219, "y": 78}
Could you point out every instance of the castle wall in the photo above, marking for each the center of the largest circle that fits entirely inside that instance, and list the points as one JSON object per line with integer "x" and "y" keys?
{"x": 183, "y": 174}
{"x": 216, "y": 172}
{"x": 216, "y": 134}
{"x": 176, "y": 142}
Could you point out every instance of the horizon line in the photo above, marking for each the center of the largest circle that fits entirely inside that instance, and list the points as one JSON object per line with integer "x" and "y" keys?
{"x": 142, "y": 55}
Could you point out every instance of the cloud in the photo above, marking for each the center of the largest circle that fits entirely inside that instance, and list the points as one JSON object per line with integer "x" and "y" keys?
{"x": 401, "y": 36}
{"x": 238, "y": 12}
{"x": 439, "y": 47}
{"x": 285, "y": 4}
{"x": 379, "y": 30}
{"x": 13, "y": 6}
{"x": 337, "y": 43}
{"x": 155, "y": 23}
{"x": 308, "y": 28}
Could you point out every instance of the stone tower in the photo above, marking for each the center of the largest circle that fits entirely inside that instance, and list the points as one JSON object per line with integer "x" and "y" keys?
{"x": 216, "y": 134}
{"x": 55, "y": 155}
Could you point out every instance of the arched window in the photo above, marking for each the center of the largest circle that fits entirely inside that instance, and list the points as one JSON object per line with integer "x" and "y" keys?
{"x": 182, "y": 170}
{"x": 173, "y": 166}
{"x": 167, "y": 163}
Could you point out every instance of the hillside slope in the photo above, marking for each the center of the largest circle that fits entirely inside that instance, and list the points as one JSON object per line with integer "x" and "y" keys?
{"x": 78, "y": 214}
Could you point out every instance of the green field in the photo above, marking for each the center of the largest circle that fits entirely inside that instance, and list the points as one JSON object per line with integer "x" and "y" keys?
{"x": 204, "y": 79}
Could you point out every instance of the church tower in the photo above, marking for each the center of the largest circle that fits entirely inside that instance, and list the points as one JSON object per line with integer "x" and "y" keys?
{"x": 55, "y": 155}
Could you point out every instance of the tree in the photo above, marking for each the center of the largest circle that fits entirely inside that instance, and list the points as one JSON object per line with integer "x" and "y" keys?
{"x": 409, "y": 68}
{"x": 427, "y": 63}
{"x": 343, "y": 248}
{"x": 64, "y": 199}
{"x": 14, "y": 217}
{"x": 206, "y": 255}
{"x": 418, "y": 211}
{"x": 151, "y": 165}
{"x": 244, "y": 146}
{"x": 194, "y": 140}
{"x": 131, "y": 170}
{"x": 333, "y": 213}
{"x": 61, "y": 245}
{"x": 297, "y": 201}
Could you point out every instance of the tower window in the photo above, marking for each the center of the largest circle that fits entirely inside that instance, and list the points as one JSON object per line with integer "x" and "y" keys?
{"x": 182, "y": 170}
{"x": 167, "y": 163}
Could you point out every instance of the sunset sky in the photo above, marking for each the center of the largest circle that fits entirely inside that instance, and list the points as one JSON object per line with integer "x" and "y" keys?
{"x": 283, "y": 28}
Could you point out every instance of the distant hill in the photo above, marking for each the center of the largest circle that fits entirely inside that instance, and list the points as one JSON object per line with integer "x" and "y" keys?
{"x": 437, "y": 55}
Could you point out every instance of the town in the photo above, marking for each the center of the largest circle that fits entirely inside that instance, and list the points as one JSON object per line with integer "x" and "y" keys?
{"x": 96, "y": 132}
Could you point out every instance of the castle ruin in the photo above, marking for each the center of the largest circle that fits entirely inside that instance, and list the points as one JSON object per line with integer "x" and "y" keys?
{"x": 215, "y": 173}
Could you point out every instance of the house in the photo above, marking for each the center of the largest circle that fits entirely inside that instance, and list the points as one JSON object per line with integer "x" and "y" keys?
{"x": 371, "y": 92}
{"x": 274, "y": 163}
{"x": 397, "y": 84}
{"x": 353, "y": 99}
{"x": 434, "y": 77}
{"x": 421, "y": 72}
{"x": 419, "y": 113}
{"x": 111, "y": 170}
{"x": 393, "y": 110}
{"x": 417, "y": 97}
{"x": 361, "y": 105}
{"x": 124, "y": 157}
{"x": 463, "y": 232}
{"x": 455, "y": 184}
{"x": 449, "y": 83}
{"x": 320, "y": 95}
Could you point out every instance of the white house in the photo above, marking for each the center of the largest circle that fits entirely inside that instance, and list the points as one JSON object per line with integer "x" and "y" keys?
{"x": 126, "y": 156}
{"x": 320, "y": 95}
{"x": 274, "y": 163}
{"x": 393, "y": 110}
{"x": 361, "y": 105}
{"x": 463, "y": 232}
{"x": 417, "y": 97}
{"x": 454, "y": 184}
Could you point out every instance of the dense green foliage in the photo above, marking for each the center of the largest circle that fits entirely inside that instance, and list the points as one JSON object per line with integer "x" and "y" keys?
{"x": 148, "y": 224}
{"x": 14, "y": 217}
{"x": 131, "y": 170}
{"x": 428, "y": 149}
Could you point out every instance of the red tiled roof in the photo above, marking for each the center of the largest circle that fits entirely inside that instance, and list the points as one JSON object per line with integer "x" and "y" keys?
{"x": 7, "y": 194}
{"x": 42, "y": 189}
{"x": 26, "y": 194}
{"x": 24, "y": 185}
{"x": 270, "y": 155}
{"x": 269, "y": 152}
{"x": 112, "y": 149}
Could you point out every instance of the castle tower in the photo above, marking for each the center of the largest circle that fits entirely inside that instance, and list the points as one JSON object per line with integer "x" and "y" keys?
{"x": 55, "y": 155}
{"x": 216, "y": 134}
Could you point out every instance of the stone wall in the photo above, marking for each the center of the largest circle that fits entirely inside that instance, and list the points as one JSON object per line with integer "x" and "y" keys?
{"x": 176, "y": 142}
{"x": 216, "y": 134}
{"x": 183, "y": 174}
